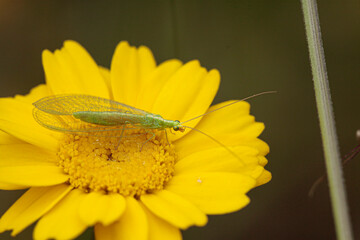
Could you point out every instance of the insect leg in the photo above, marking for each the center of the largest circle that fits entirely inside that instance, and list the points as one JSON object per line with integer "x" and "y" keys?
{"x": 121, "y": 136}
{"x": 167, "y": 139}
{"x": 153, "y": 135}
{"x": 171, "y": 131}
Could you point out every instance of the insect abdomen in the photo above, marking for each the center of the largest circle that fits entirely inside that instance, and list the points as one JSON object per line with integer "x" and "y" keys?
{"x": 108, "y": 118}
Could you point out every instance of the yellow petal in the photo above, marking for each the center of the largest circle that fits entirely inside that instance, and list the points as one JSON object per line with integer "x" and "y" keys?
{"x": 72, "y": 70}
{"x": 154, "y": 83}
{"x": 174, "y": 209}
{"x": 265, "y": 177}
{"x": 63, "y": 221}
{"x": 133, "y": 225}
{"x": 31, "y": 206}
{"x": 129, "y": 68}
{"x": 213, "y": 193}
{"x": 196, "y": 144}
{"x": 231, "y": 126}
{"x": 98, "y": 207}
{"x": 8, "y": 186}
{"x": 32, "y": 175}
{"x": 247, "y": 161}
{"x": 35, "y": 94}
{"x": 8, "y": 139}
{"x": 229, "y": 119}
{"x": 28, "y": 133}
{"x": 210, "y": 160}
{"x": 105, "y": 72}
{"x": 204, "y": 97}
{"x": 16, "y": 119}
{"x": 147, "y": 62}
{"x": 124, "y": 74}
{"x": 179, "y": 92}
{"x": 187, "y": 94}
{"x": 263, "y": 161}
{"x": 25, "y": 154}
{"x": 160, "y": 229}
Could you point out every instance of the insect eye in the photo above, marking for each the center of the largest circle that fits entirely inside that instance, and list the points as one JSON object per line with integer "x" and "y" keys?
{"x": 176, "y": 128}
{"x": 177, "y": 121}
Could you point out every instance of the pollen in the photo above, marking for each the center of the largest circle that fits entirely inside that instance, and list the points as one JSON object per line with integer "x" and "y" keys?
{"x": 135, "y": 165}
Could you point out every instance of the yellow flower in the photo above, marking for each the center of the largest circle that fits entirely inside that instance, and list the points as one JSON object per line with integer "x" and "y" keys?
{"x": 126, "y": 193}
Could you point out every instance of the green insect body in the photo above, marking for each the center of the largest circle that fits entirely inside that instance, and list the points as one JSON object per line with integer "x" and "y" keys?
{"x": 149, "y": 120}
{"x": 95, "y": 115}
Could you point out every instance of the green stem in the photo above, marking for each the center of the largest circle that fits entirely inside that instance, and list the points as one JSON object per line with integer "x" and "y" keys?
{"x": 327, "y": 123}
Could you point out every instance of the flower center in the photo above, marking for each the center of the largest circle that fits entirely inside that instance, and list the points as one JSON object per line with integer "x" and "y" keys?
{"x": 136, "y": 165}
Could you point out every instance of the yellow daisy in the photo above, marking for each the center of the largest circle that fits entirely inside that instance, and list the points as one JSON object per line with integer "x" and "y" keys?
{"x": 126, "y": 193}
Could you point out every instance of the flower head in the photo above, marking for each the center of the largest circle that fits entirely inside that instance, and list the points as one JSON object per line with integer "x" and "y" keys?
{"x": 77, "y": 181}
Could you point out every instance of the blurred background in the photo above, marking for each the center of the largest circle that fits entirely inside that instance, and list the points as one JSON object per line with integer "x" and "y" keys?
{"x": 257, "y": 46}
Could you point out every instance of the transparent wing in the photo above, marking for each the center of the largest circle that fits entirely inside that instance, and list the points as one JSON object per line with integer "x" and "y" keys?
{"x": 68, "y": 104}
{"x": 55, "y": 113}
{"x": 69, "y": 124}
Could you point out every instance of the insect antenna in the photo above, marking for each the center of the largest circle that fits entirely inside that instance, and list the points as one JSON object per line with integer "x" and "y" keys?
{"x": 218, "y": 142}
{"x": 252, "y": 96}
{"x": 347, "y": 158}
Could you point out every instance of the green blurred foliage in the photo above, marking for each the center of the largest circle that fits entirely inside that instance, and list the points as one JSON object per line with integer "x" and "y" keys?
{"x": 257, "y": 46}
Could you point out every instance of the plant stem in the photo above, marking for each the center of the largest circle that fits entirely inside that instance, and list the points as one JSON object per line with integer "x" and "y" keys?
{"x": 327, "y": 122}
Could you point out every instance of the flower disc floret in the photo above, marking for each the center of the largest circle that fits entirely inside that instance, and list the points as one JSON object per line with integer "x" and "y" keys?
{"x": 104, "y": 164}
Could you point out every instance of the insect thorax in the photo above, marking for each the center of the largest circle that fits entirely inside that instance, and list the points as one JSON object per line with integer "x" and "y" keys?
{"x": 155, "y": 121}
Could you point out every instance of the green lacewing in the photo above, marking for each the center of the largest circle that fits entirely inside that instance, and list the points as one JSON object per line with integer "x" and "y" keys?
{"x": 85, "y": 114}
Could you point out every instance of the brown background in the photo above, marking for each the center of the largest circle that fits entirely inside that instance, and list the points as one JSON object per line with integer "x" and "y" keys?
{"x": 257, "y": 46}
